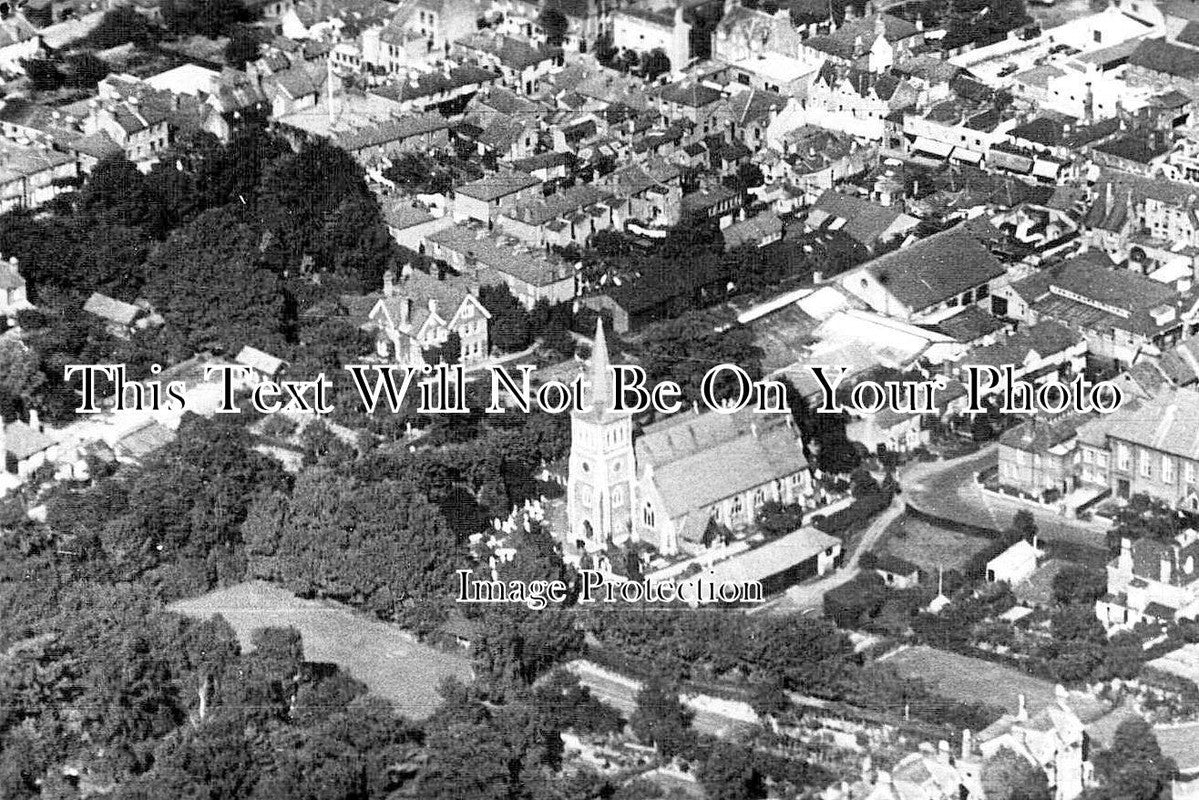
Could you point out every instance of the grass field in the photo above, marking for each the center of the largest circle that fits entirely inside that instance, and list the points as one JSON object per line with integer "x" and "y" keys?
{"x": 929, "y": 546}
{"x": 972, "y": 679}
{"x": 388, "y": 660}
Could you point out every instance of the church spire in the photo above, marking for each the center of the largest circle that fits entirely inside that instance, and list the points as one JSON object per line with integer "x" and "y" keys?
{"x": 601, "y": 379}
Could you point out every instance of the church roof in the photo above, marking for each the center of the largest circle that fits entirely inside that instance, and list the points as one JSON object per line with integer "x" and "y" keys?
{"x": 696, "y": 460}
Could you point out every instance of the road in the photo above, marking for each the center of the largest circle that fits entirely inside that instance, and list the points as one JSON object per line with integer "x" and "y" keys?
{"x": 948, "y": 489}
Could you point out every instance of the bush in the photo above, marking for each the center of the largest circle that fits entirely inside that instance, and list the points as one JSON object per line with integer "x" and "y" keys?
{"x": 856, "y": 515}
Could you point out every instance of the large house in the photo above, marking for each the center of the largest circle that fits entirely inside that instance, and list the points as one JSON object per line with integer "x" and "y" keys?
{"x": 668, "y": 486}
{"x": 1038, "y": 457}
{"x": 418, "y": 313}
{"x": 1151, "y": 581}
{"x": 1146, "y": 447}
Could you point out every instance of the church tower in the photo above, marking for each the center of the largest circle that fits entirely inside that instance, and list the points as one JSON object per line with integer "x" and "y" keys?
{"x": 600, "y": 482}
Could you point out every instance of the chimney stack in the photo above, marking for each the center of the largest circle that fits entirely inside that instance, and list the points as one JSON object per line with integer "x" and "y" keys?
{"x": 389, "y": 283}
{"x": 1022, "y": 709}
{"x": 35, "y": 421}
{"x": 967, "y": 743}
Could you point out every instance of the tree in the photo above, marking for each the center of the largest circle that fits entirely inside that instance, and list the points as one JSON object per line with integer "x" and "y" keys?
{"x": 448, "y": 352}
{"x": 19, "y": 374}
{"x": 1009, "y": 776}
{"x": 1133, "y": 767}
{"x": 509, "y": 325}
{"x": 1145, "y": 517}
{"x": 44, "y": 74}
{"x": 117, "y": 193}
{"x": 685, "y": 348}
{"x": 728, "y": 773}
{"x": 315, "y": 203}
{"x": 380, "y": 545}
{"x": 516, "y": 645}
{"x": 122, "y": 25}
{"x": 661, "y": 719}
{"x": 85, "y": 70}
{"x": 654, "y": 63}
{"x": 769, "y": 698}
{"x": 555, "y": 24}
{"x": 1024, "y": 525}
{"x": 208, "y": 282}
{"x": 1078, "y": 584}
{"x": 243, "y": 46}
{"x": 210, "y": 18}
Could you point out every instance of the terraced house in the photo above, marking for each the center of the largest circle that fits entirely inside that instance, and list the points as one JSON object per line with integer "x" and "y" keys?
{"x": 1146, "y": 447}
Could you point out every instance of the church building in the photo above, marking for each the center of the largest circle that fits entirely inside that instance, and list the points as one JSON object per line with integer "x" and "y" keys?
{"x": 681, "y": 474}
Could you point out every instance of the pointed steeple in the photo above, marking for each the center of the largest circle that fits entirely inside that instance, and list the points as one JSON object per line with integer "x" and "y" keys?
{"x": 601, "y": 379}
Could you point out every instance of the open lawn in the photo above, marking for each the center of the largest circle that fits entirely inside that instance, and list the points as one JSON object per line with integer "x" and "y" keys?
{"x": 972, "y": 680}
{"x": 386, "y": 658}
{"x": 929, "y": 546}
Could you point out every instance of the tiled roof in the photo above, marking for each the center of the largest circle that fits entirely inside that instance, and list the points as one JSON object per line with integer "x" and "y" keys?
{"x": 1158, "y": 55}
{"x": 531, "y": 265}
{"x": 1189, "y": 34}
{"x": 969, "y": 324}
{"x": 545, "y": 209}
{"x": 1181, "y": 363}
{"x": 754, "y": 230}
{"x": 258, "y": 360}
{"x": 689, "y": 93}
{"x": 493, "y": 187}
{"x": 1038, "y": 435}
{"x": 10, "y": 276}
{"x": 448, "y": 292}
{"x": 391, "y": 131}
{"x": 1044, "y": 339}
{"x": 771, "y": 558}
{"x": 700, "y": 459}
{"x": 935, "y": 269}
{"x": 1168, "y": 422}
{"x": 21, "y": 441}
{"x": 111, "y": 309}
{"x": 864, "y": 220}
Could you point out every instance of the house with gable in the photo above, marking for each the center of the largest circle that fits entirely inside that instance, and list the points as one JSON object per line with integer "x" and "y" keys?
{"x": 419, "y": 311}
{"x": 857, "y": 102}
{"x": 866, "y": 222}
{"x": 872, "y": 43}
{"x": 944, "y": 271}
{"x": 1147, "y": 446}
{"x": 1054, "y": 738}
{"x": 13, "y": 297}
{"x": 1151, "y": 581}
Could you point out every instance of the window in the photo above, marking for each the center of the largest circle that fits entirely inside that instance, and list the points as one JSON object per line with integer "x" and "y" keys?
{"x": 738, "y": 507}
{"x": 1124, "y": 455}
{"x": 647, "y": 515}
{"x": 1188, "y": 471}
{"x": 1087, "y": 456}
{"x": 1167, "y": 469}
{"x": 1146, "y": 465}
